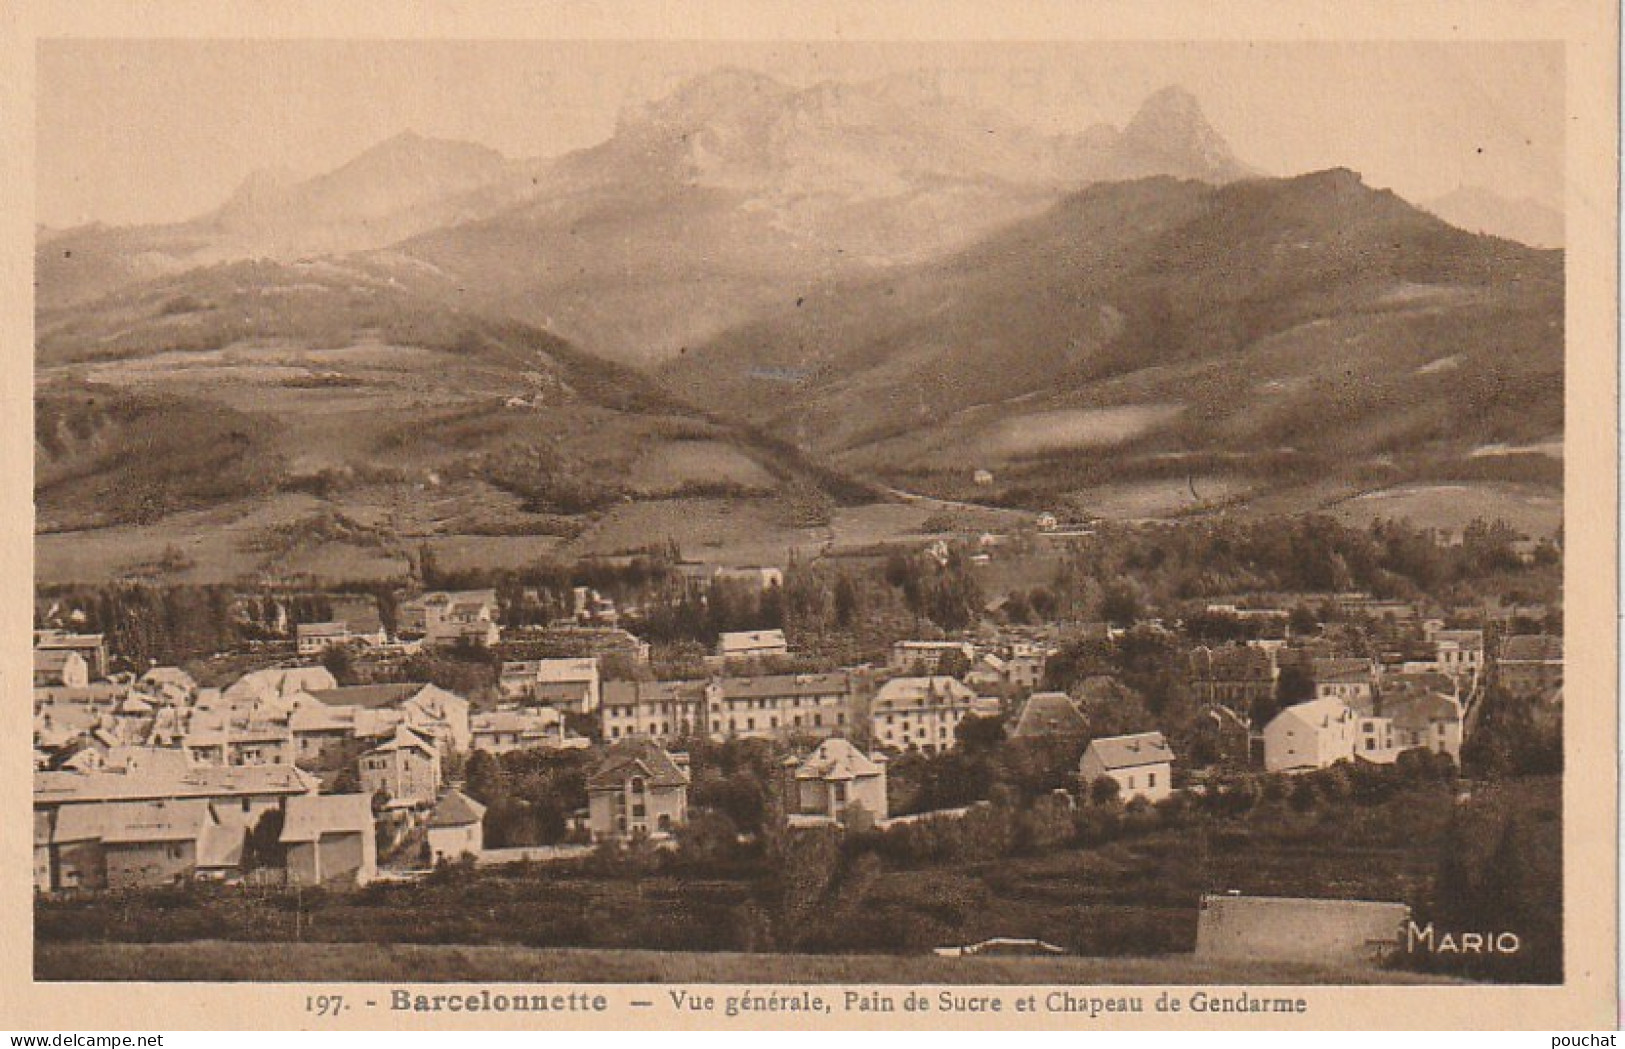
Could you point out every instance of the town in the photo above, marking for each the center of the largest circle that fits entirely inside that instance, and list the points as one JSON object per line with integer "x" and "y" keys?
{"x": 943, "y": 706}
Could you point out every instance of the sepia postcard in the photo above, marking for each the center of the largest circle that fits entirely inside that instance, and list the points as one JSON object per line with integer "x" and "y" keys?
{"x": 721, "y": 515}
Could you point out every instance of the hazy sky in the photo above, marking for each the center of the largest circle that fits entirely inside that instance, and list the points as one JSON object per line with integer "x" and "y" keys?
{"x": 162, "y": 130}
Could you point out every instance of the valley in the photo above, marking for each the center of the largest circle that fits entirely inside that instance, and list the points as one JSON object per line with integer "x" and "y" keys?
{"x": 761, "y": 319}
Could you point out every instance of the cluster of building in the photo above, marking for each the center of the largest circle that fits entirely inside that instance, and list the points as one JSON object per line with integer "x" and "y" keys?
{"x": 141, "y": 780}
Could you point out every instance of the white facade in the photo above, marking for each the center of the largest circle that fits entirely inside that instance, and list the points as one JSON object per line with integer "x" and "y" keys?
{"x": 1141, "y": 764}
{"x": 922, "y": 712}
{"x": 1310, "y": 735}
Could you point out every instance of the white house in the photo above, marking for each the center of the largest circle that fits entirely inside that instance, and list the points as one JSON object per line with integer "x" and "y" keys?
{"x": 923, "y": 712}
{"x": 63, "y": 667}
{"x": 312, "y": 639}
{"x": 1350, "y": 681}
{"x": 1310, "y": 735}
{"x": 570, "y": 684}
{"x": 1459, "y": 653}
{"x": 1426, "y": 719}
{"x": 925, "y": 657}
{"x": 1142, "y": 765}
{"x": 456, "y": 827}
{"x": 506, "y": 729}
{"x": 748, "y": 644}
{"x": 838, "y": 776}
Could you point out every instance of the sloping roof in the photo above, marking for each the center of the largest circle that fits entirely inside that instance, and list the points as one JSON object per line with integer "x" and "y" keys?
{"x": 369, "y": 696}
{"x": 95, "y": 692}
{"x": 1123, "y": 752}
{"x": 335, "y": 629}
{"x": 221, "y": 845}
{"x": 53, "y": 660}
{"x": 312, "y": 815}
{"x": 767, "y": 686}
{"x": 745, "y": 640}
{"x": 1341, "y": 669}
{"x": 1463, "y": 638}
{"x": 965, "y": 647}
{"x": 1050, "y": 714}
{"x": 201, "y": 782}
{"x": 639, "y": 693}
{"x": 917, "y": 693}
{"x": 434, "y": 701}
{"x": 83, "y": 822}
{"x": 515, "y": 720}
{"x": 376, "y": 724}
{"x": 634, "y": 757}
{"x": 57, "y": 639}
{"x": 1319, "y": 713}
{"x": 836, "y": 759}
{"x": 173, "y": 821}
{"x": 405, "y": 738}
{"x": 1532, "y": 648}
{"x": 157, "y": 761}
{"x": 169, "y": 676}
{"x": 568, "y": 670}
{"x": 321, "y": 717}
{"x": 1419, "y": 710}
{"x": 456, "y": 809}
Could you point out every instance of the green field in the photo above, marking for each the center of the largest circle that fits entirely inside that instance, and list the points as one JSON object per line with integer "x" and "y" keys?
{"x": 219, "y": 961}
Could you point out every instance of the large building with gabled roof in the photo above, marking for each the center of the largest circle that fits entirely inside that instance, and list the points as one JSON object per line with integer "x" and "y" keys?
{"x": 639, "y": 789}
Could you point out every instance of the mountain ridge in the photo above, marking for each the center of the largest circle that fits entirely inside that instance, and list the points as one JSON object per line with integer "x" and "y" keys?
{"x": 1128, "y": 306}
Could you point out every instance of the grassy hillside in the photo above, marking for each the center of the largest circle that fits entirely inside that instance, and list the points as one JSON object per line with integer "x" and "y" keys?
{"x": 270, "y": 398}
{"x": 1157, "y": 329}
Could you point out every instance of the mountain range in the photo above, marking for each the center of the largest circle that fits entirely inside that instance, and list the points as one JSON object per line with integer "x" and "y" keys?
{"x": 792, "y": 296}
{"x": 1156, "y": 322}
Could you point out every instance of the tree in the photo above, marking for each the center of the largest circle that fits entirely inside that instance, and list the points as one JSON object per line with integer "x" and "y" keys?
{"x": 978, "y": 733}
{"x": 1104, "y": 790}
{"x": 340, "y": 662}
{"x": 1120, "y": 605}
{"x": 486, "y": 781}
{"x": 953, "y": 663}
{"x": 262, "y": 847}
{"x": 846, "y": 601}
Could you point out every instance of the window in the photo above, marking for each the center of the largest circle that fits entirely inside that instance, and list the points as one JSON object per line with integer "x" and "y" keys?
{"x": 1151, "y": 779}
